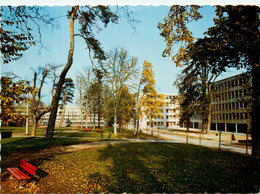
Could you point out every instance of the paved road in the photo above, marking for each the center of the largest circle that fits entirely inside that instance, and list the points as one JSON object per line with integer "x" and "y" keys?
{"x": 204, "y": 142}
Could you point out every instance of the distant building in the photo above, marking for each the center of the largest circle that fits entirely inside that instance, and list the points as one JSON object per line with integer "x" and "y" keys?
{"x": 169, "y": 118}
{"x": 72, "y": 117}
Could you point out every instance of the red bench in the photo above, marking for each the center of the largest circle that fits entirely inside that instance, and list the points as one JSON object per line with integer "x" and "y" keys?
{"x": 25, "y": 172}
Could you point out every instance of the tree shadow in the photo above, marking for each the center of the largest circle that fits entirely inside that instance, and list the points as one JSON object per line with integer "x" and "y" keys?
{"x": 169, "y": 167}
{"x": 129, "y": 172}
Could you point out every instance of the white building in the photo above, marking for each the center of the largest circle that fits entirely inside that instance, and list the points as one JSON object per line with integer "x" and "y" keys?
{"x": 169, "y": 118}
{"x": 72, "y": 117}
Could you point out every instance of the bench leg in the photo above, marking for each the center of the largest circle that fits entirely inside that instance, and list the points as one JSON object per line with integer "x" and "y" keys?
{"x": 11, "y": 177}
{"x": 33, "y": 184}
{"x": 20, "y": 185}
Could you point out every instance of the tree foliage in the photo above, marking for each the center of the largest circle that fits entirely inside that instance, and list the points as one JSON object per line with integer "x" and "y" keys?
{"x": 88, "y": 18}
{"x": 236, "y": 30}
{"x": 175, "y": 30}
{"x": 13, "y": 91}
{"x": 233, "y": 41}
{"x": 17, "y": 24}
{"x": 151, "y": 102}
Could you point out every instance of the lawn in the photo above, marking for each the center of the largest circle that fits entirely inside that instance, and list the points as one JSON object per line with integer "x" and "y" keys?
{"x": 147, "y": 167}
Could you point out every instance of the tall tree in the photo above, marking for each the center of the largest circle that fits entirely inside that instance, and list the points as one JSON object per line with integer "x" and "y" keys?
{"x": 151, "y": 102}
{"x": 80, "y": 87}
{"x": 235, "y": 40}
{"x": 67, "y": 95}
{"x": 121, "y": 69}
{"x": 88, "y": 17}
{"x": 189, "y": 94}
{"x": 236, "y": 30}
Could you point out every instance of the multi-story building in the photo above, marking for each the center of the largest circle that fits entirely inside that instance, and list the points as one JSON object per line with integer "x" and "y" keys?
{"x": 72, "y": 117}
{"x": 231, "y": 104}
{"x": 169, "y": 118}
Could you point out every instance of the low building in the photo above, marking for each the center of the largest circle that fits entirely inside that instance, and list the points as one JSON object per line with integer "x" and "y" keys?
{"x": 72, "y": 117}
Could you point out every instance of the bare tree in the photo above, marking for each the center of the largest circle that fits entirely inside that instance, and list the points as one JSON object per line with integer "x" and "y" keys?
{"x": 38, "y": 109}
{"x": 120, "y": 69}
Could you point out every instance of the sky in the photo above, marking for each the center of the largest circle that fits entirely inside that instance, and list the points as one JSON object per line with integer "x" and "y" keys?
{"x": 144, "y": 43}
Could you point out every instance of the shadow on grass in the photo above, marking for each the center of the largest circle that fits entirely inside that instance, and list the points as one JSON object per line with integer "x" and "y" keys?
{"x": 162, "y": 167}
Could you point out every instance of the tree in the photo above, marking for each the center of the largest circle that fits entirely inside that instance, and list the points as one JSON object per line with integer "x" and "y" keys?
{"x": 12, "y": 92}
{"x": 88, "y": 17}
{"x": 80, "y": 87}
{"x": 67, "y": 95}
{"x": 38, "y": 108}
{"x": 235, "y": 40}
{"x": 96, "y": 94}
{"x": 236, "y": 30}
{"x": 16, "y": 29}
{"x": 189, "y": 94}
{"x": 126, "y": 108}
{"x": 151, "y": 102}
{"x": 175, "y": 30}
{"x": 120, "y": 70}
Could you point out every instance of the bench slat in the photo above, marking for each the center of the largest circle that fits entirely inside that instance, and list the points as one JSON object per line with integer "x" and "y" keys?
{"x": 18, "y": 174}
{"x": 28, "y": 167}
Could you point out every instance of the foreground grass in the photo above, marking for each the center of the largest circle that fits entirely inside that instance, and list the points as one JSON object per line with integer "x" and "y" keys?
{"x": 149, "y": 167}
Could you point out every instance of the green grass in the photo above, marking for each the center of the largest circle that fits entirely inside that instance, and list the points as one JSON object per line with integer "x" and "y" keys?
{"x": 15, "y": 129}
{"x": 150, "y": 167}
{"x": 107, "y": 134}
{"x": 18, "y": 144}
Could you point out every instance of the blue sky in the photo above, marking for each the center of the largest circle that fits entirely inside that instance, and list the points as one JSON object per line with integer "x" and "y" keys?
{"x": 145, "y": 43}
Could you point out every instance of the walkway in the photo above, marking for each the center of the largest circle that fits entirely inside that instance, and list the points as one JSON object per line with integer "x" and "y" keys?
{"x": 171, "y": 138}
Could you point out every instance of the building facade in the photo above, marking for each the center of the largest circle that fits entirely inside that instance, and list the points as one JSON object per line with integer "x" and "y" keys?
{"x": 71, "y": 116}
{"x": 231, "y": 104}
{"x": 169, "y": 118}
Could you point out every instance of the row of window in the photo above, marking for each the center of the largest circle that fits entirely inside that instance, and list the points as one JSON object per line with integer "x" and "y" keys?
{"x": 171, "y": 103}
{"x": 170, "y": 97}
{"x": 168, "y": 124}
{"x": 230, "y": 95}
{"x": 170, "y": 110}
{"x": 230, "y": 106}
{"x": 230, "y": 84}
{"x": 230, "y": 116}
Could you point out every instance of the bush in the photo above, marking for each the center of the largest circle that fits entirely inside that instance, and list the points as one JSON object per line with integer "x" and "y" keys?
{"x": 87, "y": 129}
{"x": 100, "y": 130}
{"x": 6, "y": 134}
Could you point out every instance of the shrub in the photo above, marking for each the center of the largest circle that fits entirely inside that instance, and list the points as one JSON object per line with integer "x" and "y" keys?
{"x": 100, "y": 130}
{"x": 87, "y": 129}
{"x": 6, "y": 134}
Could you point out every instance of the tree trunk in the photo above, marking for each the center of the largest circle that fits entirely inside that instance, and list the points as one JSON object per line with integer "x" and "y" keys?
{"x": 187, "y": 132}
{"x": 56, "y": 97}
{"x": 255, "y": 121}
{"x": 94, "y": 119}
{"x": 210, "y": 97}
{"x": 115, "y": 121}
{"x": 81, "y": 117}
{"x": 33, "y": 134}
